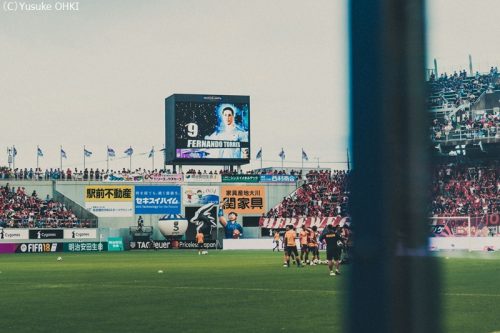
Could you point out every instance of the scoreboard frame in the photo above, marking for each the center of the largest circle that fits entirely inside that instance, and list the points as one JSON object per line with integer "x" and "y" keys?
{"x": 174, "y": 133}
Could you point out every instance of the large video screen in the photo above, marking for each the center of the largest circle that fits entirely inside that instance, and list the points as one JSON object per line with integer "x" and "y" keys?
{"x": 215, "y": 129}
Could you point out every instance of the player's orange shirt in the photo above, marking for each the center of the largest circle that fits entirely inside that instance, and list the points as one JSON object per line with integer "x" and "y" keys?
{"x": 303, "y": 237}
{"x": 290, "y": 238}
{"x": 276, "y": 236}
{"x": 312, "y": 239}
{"x": 200, "y": 238}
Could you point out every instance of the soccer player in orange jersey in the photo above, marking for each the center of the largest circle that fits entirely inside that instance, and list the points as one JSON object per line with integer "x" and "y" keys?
{"x": 276, "y": 241}
{"x": 200, "y": 240}
{"x": 303, "y": 243}
{"x": 290, "y": 246}
{"x": 313, "y": 244}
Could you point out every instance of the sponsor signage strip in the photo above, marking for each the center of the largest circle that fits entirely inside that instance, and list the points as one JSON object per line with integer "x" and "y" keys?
{"x": 243, "y": 199}
{"x": 278, "y": 179}
{"x": 46, "y": 233}
{"x": 203, "y": 178}
{"x": 85, "y": 247}
{"x": 111, "y": 209}
{"x": 7, "y": 234}
{"x": 39, "y": 247}
{"x": 175, "y": 244}
{"x": 200, "y": 195}
{"x": 80, "y": 233}
{"x": 106, "y": 193}
{"x": 157, "y": 199}
{"x": 240, "y": 178}
{"x": 115, "y": 244}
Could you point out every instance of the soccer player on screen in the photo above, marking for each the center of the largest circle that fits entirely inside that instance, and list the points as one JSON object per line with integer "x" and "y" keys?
{"x": 228, "y": 131}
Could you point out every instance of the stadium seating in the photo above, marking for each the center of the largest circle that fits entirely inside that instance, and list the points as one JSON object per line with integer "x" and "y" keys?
{"x": 20, "y": 210}
{"x": 457, "y": 89}
{"x": 450, "y": 101}
{"x": 323, "y": 194}
{"x": 125, "y": 174}
{"x": 461, "y": 190}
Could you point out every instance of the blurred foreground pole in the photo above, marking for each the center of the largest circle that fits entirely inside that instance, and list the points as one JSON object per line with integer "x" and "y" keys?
{"x": 394, "y": 284}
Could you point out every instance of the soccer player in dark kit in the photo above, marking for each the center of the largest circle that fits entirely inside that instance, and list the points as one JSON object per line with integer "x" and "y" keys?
{"x": 334, "y": 244}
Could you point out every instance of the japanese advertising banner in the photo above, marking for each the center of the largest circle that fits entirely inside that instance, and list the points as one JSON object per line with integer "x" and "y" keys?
{"x": 203, "y": 178}
{"x": 109, "y": 200}
{"x": 278, "y": 179}
{"x": 240, "y": 178}
{"x": 85, "y": 247}
{"x": 200, "y": 195}
{"x": 157, "y": 199}
{"x": 163, "y": 178}
{"x": 243, "y": 199}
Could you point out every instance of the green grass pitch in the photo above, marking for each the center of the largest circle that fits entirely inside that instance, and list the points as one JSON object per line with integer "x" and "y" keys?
{"x": 225, "y": 291}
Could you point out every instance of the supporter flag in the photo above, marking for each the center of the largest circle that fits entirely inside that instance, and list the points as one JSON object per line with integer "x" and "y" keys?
{"x": 129, "y": 151}
{"x": 14, "y": 151}
{"x": 151, "y": 153}
{"x": 259, "y": 154}
{"x": 111, "y": 152}
{"x": 39, "y": 152}
{"x": 304, "y": 155}
{"x": 282, "y": 154}
{"x": 88, "y": 153}
{"x": 63, "y": 154}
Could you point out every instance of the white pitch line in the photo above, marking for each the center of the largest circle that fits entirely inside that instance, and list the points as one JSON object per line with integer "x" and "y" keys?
{"x": 121, "y": 285}
{"x": 470, "y": 295}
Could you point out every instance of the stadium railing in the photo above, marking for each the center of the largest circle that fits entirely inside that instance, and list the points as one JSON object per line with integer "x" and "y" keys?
{"x": 469, "y": 134}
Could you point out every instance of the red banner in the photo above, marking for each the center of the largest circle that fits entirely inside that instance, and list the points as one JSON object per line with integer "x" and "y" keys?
{"x": 298, "y": 222}
{"x": 480, "y": 226}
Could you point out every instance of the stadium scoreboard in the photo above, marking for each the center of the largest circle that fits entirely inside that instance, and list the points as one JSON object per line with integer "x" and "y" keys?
{"x": 207, "y": 129}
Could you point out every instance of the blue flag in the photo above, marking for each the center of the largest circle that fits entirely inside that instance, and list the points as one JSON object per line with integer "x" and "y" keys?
{"x": 111, "y": 152}
{"x": 129, "y": 151}
{"x": 304, "y": 155}
{"x": 259, "y": 154}
{"x": 14, "y": 151}
{"x": 282, "y": 154}
{"x": 151, "y": 153}
{"x": 87, "y": 153}
{"x": 39, "y": 152}
{"x": 63, "y": 154}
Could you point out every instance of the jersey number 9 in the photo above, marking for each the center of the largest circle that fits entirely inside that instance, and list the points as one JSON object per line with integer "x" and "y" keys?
{"x": 192, "y": 130}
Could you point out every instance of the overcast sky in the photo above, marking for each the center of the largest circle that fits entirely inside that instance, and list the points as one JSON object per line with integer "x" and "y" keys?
{"x": 99, "y": 76}
{"x": 457, "y": 28}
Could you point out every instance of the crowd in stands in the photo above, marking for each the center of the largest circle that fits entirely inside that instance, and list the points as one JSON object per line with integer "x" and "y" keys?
{"x": 124, "y": 174}
{"x": 452, "y": 91}
{"x": 21, "y": 210}
{"x": 458, "y": 88}
{"x": 484, "y": 125}
{"x": 459, "y": 190}
{"x": 324, "y": 194}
